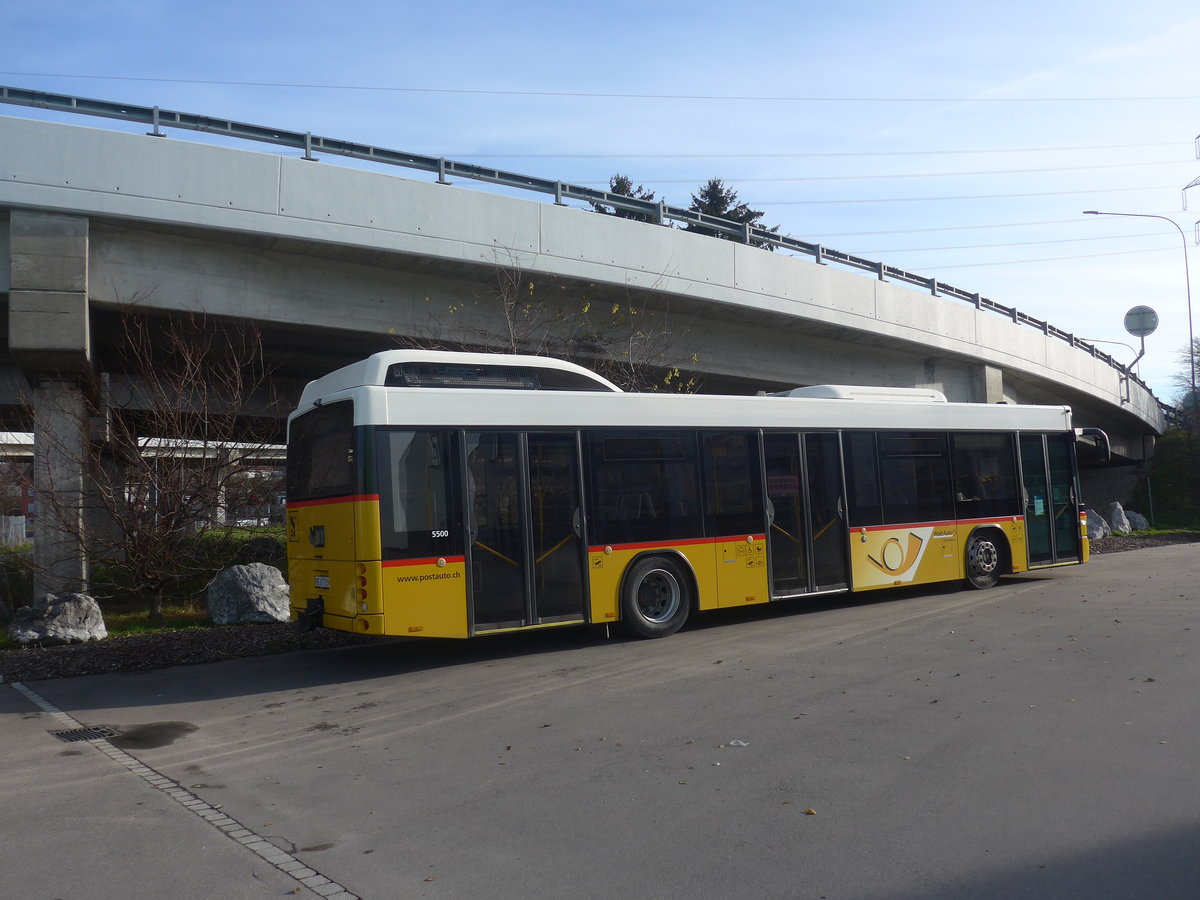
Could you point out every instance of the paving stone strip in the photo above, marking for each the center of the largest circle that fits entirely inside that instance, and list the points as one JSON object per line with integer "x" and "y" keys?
{"x": 230, "y": 827}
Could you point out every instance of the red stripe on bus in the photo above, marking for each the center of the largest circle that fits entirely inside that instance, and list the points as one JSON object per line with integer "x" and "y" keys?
{"x": 325, "y": 501}
{"x": 432, "y": 561}
{"x": 996, "y": 520}
{"x": 993, "y": 520}
{"x": 666, "y": 545}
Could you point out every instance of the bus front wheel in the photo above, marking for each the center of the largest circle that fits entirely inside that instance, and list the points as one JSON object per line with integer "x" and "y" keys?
{"x": 985, "y": 557}
{"x": 655, "y": 598}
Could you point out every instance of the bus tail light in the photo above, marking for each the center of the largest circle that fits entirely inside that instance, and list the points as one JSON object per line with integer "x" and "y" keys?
{"x": 362, "y": 587}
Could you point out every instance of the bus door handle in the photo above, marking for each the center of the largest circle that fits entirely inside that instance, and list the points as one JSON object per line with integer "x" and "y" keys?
{"x": 577, "y": 522}
{"x": 841, "y": 508}
{"x": 770, "y": 513}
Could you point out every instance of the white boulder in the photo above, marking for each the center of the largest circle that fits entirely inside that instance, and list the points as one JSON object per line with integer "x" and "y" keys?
{"x": 65, "y": 619}
{"x": 1117, "y": 520}
{"x": 1097, "y": 526}
{"x": 254, "y": 592}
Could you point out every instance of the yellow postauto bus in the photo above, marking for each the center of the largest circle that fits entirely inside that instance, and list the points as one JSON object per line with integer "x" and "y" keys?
{"x": 457, "y": 494}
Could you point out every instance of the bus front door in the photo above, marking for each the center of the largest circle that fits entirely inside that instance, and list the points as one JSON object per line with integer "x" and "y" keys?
{"x": 525, "y": 553}
{"x": 1051, "y": 513}
{"x": 807, "y": 539}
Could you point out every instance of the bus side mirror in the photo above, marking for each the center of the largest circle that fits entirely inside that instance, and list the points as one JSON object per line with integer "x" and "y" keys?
{"x": 1097, "y": 439}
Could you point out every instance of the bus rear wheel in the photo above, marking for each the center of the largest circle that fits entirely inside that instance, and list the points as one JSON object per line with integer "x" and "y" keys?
{"x": 984, "y": 560}
{"x": 656, "y": 597}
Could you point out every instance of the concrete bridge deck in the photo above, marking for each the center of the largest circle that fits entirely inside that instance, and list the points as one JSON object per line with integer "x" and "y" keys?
{"x": 343, "y": 261}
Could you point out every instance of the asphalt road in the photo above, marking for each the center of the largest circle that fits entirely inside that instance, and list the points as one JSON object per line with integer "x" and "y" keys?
{"x": 1041, "y": 739}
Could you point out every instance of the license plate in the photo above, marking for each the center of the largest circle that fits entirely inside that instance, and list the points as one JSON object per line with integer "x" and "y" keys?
{"x": 321, "y": 582}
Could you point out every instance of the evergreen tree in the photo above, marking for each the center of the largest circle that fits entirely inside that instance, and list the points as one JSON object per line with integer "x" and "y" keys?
{"x": 715, "y": 199}
{"x": 623, "y": 186}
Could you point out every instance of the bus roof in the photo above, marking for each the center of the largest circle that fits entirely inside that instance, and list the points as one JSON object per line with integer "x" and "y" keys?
{"x": 836, "y": 409}
{"x": 380, "y": 368}
{"x": 866, "y": 392}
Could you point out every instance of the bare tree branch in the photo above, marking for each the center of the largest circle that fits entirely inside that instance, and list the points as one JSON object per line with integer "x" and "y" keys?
{"x": 183, "y": 430}
{"x": 621, "y": 335}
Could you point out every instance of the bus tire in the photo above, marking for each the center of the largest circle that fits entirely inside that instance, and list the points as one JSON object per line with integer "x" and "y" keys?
{"x": 984, "y": 559}
{"x": 656, "y": 597}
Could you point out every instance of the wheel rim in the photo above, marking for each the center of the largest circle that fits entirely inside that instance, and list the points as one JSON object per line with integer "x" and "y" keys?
{"x": 984, "y": 557}
{"x": 658, "y": 596}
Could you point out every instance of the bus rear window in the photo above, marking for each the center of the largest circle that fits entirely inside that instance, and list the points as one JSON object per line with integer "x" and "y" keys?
{"x": 320, "y": 459}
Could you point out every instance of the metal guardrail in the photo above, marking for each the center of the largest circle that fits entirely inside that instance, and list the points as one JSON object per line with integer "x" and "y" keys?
{"x": 653, "y": 211}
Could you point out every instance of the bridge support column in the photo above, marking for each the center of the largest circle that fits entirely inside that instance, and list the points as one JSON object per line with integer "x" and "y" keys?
{"x": 49, "y": 337}
{"x": 988, "y": 385}
{"x": 59, "y": 455}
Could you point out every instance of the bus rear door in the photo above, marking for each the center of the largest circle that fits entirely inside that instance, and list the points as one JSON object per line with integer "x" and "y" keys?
{"x": 525, "y": 550}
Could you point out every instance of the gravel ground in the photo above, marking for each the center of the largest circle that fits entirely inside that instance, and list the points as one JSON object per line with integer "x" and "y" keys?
{"x": 200, "y": 645}
{"x": 134, "y": 653}
{"x": 1118, "y": 542}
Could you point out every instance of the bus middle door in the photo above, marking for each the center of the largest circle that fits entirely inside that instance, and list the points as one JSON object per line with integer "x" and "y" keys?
{"x": 526, "y": 555}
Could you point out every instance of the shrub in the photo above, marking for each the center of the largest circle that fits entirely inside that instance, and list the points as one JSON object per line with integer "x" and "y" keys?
{"x": 201, "y": 558}
{"x": 16, "y": 580}
{"x": 1175, "y": 481}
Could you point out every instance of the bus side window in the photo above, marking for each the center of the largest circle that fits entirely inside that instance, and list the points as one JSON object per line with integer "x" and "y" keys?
{"x": 732, "y": 484}
{"x": 418, "y": 507}
{"x": 862, "y": 479}
{"x": 646, "y": 486}
{"x": 985, "y": 476}
{"x": 915, "y": 470}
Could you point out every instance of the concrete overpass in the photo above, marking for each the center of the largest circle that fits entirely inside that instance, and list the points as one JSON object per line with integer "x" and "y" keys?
{"x": 336, "y": 262}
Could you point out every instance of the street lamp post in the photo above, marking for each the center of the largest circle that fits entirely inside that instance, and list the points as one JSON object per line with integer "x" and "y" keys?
{"x": 1187, "y": 280}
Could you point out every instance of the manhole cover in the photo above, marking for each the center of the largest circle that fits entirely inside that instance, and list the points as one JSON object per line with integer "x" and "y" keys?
{"x": 84, "y": 734}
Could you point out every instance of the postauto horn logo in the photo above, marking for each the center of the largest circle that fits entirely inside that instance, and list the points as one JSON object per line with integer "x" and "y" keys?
{"x": 899, "y": 557}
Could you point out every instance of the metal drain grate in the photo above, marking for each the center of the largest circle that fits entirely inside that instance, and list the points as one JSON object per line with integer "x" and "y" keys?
{"x": 84, "y": 734}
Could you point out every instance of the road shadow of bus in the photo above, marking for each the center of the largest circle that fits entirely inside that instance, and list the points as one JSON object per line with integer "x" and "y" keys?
{"x": 819, "y": 603}
{"x": 398, "y": 657}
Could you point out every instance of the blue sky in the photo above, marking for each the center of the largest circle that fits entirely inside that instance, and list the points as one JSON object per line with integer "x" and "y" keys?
{"x": 959, "y": 141}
